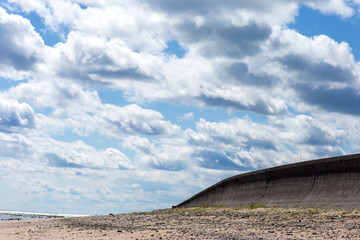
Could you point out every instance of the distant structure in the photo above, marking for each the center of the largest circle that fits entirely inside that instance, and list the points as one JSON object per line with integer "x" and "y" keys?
{"x": 332, "y": 183}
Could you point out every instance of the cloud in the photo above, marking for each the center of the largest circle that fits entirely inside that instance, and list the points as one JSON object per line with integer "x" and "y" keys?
{"x": 342, "y": 100}
{"x": 139, "y": 144}
{"x": 130, "y": 73}
{"x": 240, "y": 144}
{"x": 57, "y": 161}
{"x": 14, "y": 145}
{"x": 132, "y": 119}
{"x": 228, "y": 11}
{"x": 238, "y": 41}
{"x": 144, "y": 74}
{"x": 236, "y": 142}
{"x": 314, "y": 131}
{"x": 187, "y": 116}
{"x": 20, "y": 46}
{"x": 63, "y": 96}
{"x": 215, "y": 160}
{"x": 167, "y": 157}
{"x": 340, "y": 7}
{"x": 95, "y": 60}
{"x": 246, "y": 143}
{"x": 240, "y": 72}
{"x": 49, "y": 12}
{"x": 319, "y": 50}
{"x": 230, "y": 41}
{"x": 239, "y": 99}
{"x": 320, "y": 66}
{"x": 15, "y": 114}
{"x": 82, "y": 111}
{"x": 308, "y": 71}
{"x": 80, "y": 155}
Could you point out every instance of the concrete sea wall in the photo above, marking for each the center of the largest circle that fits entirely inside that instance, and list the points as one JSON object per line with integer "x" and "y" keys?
{"x": 324, "y": 183}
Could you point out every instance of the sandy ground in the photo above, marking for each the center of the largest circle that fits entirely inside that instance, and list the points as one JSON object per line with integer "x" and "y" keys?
{"x": 197, "y": 223}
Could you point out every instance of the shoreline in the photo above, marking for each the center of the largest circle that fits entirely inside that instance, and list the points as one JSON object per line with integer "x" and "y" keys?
{"x": 195, "y": 223}
{"x": 6, "y": 215}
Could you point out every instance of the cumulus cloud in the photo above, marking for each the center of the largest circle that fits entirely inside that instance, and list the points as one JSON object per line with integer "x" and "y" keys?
{"x": 21, "y": 47}
{"x": 50, "y": 12}
{"x": 241, "y": 144}
{"x": 83, "y": 112}
{"x": 240, "y": 98}
{"x": 169, "y": 157}
{"x": 113, "y": 59}
{"x": 139, "y": 144}
{"x": 133, "y": 119}
{"x": 249, "y": 144}
{"x": 340, "y": 7}
{"x": 15, "y": 114}
{"x": 77, "y": 154}
{"x": 95, "y": 60}
{"x": 320, "y": 72}
{"x": 341, "y": 100}
{"x": 14, "y": 145}
{"x": 230, "y": 41}
{"x": 239, "y": 71}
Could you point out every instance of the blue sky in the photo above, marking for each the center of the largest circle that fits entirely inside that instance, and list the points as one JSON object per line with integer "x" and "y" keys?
{"x": 121, "y": 106}
{"x": 311, "y": 22}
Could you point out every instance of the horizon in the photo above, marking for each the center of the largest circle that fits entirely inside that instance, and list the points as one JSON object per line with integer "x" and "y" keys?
{"x": 11, "y": 212}
{"x": 117, "y": 107}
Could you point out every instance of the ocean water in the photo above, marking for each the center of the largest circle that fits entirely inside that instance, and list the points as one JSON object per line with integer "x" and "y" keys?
{"x": 19, "y": 216}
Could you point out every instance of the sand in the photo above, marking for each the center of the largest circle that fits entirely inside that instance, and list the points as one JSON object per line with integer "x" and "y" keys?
{"x": 195, "y": 223}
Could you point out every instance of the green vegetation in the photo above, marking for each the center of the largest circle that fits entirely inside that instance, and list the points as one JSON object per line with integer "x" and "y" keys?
{"x": 261, "y": 205}
{"x": 187, "y": 210}
{"x": 313, "y": 211}
{"x": 202, "y": 208}
{"x": 346, "y": 212}
{"x": 265, "y": 210}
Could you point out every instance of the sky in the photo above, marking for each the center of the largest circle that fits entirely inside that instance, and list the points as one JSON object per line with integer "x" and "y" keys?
{"x": 122, "y": 106}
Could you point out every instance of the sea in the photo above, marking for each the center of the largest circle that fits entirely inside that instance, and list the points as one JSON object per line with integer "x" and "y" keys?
{"x": 19, "y": 216}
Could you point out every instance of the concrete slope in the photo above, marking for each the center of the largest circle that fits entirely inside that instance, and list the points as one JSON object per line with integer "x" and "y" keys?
{"x": 323, "y": 183}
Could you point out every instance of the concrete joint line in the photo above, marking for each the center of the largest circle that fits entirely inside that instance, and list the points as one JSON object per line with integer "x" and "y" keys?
{"x": 266, "y": 187}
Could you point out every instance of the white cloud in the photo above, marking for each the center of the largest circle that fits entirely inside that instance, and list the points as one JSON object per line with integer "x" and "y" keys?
{"x": 62, "y": 95}
{"x": 80, "y": 155}
{"x": 339, "y": 7}
{"x": 187, "y": 116}
{"x": 256, "y": 145}
{"x": 51, "y": 12}
{"x": 20, "y": 46}
{"x": 132, "y": 119}
{"x": 150, "y": 76}
{"x": 13, "y": 146}
{"x": 15, "y": 114}
{"x": 139, "y": 144}
{"x": 82, "y": 111}
{"x": 171, "y": 154}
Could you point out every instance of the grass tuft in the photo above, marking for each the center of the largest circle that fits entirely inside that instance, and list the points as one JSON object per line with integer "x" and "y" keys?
{"x": 346, "y": 212}
{"x": 313, "y": 211}
{"x": 261, "y": 205}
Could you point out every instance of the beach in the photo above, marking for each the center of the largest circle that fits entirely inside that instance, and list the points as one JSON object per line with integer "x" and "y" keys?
{"x": 195, "y": 223}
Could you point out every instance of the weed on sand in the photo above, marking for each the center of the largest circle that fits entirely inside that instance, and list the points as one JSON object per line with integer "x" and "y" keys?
{"x": 261, "y": 205}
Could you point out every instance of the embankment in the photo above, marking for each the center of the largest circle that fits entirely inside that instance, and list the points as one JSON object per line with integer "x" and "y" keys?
{"x": 324, "y": 183}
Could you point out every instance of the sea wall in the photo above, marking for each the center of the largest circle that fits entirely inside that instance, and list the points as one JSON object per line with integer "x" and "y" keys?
{"x": 324, "y": 183}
